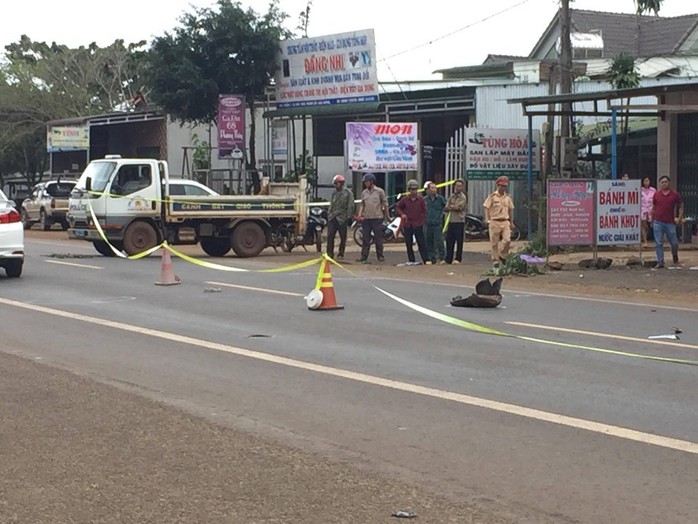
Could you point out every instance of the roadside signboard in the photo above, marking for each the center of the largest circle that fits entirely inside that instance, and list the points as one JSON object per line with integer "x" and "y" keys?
{"x": 570, "y": 212}
{"x": 491, "y": 153}
{"x": 327, "y": 70}
{"x": 68, "y": 138}
{"x": 617, "y": 212}
{"x": 382, "y": 146}
{"x": 231, "y": 124}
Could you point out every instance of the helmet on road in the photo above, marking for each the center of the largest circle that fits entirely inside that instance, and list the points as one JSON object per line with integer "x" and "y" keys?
{"x": 338, "y": 179}
{"x": 369, "y": 177}
{"x": 412, "y": 184}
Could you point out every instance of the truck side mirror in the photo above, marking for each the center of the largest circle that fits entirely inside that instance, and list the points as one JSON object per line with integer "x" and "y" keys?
{"x": 88, "y": 184}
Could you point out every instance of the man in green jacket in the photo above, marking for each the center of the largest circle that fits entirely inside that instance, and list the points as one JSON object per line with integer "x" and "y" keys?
{"x": 338, "y": 215}
{"x": 434, "y": 228}
{"x": 456, "y": 206}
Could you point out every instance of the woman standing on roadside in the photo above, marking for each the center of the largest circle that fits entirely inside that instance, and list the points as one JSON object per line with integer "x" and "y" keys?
{"x": 646, "y": 208}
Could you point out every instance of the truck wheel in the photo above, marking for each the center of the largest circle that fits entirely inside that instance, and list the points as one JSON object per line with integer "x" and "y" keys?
{"x": 44, "y": 221}
{"x": 64, "y": 225}
{"x": 248, "y": 240}
{"x": 13, "y": 268}
{"x": 25, "y": 219}
{"x": 139, "y": 237}
{"x": 103, "y": 248}
{"x": 215, "y": 247}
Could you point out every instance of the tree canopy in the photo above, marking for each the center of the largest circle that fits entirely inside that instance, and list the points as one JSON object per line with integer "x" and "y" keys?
{"x": 41, "y": 82}
{"x": 226, "y": 50}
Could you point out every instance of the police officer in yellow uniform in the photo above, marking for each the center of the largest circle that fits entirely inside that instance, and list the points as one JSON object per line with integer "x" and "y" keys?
{"x": 499, "y": 214}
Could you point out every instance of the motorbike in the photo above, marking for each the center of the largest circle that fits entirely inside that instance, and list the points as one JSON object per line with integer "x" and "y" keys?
{"x": 391, "y": 228}
{"x": 391, "y": 231}
{"x": 315, "y": 225}
{"x": 477, "y": 229}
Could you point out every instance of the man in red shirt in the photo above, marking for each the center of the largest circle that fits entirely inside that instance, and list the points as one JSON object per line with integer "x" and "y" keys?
{"x": 665, "y": 202}
{"x": 413, "y": 211}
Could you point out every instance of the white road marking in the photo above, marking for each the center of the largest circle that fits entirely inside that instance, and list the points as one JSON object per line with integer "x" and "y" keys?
{"x": 261, "y": 289}
{"x": 513, "y": 409}
{"x": 73, "y": 264}
{"x": 604, "y": 335}
{"x": 78, "y": 244}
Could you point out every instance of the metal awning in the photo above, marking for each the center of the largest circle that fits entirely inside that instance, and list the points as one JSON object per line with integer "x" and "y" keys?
{"x": 609, "y": 97}
{"x": 365, "y": 108}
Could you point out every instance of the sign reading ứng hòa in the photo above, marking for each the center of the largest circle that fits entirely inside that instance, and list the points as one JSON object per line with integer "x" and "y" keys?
{"x": 67, "y": 138}
{"x": 491, "y": 153}
{"x": 327, "y": 70}
{"x": 617, "y": 212}
{"x": 382, "y": 146}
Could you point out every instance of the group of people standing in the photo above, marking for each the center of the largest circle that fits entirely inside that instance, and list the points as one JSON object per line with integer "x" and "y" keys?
{"x": 424, "y": 220}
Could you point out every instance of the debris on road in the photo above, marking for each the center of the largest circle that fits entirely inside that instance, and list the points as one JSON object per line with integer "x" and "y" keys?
{"x": 404, "y": 514}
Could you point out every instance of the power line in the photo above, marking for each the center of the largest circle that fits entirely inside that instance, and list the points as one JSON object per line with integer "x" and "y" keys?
{"x": 455, "y": 32}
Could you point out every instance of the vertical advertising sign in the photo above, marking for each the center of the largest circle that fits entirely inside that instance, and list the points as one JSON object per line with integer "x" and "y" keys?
{"x": 231, "y": 126}
{"x": 279, "y": 138}
{"x": 618, "y": 212}
{"x": 327, "y": 70}
{"x": 382, "y": 146}
{"x": 570, "y": 212}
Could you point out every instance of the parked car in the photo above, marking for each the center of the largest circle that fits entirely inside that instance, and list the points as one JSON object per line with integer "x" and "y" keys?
{"x": 11, "y": 238}
{"x": 48, "y": 204}
{"x": 183, "y": 186}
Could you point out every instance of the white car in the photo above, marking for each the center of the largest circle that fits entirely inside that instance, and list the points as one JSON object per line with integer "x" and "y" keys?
{"x": 11, "y": 238}
{"x": 185, "y": 187}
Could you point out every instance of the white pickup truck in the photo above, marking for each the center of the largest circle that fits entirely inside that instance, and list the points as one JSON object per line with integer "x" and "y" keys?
{"x": 131, "y": 200}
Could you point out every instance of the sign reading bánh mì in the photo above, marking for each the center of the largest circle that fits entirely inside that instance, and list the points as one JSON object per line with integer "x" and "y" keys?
{"x": 570, "y": 212}
{"x": 617, "y": 212}
{"x": 382, "y": 146}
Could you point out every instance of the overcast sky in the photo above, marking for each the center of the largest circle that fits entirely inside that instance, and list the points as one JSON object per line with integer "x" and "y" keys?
{"x": 411, "y": 41}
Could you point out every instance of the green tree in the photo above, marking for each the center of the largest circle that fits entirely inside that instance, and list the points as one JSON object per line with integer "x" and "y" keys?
{"x": 645, "y": 6}
{"x": 216, "y": 51}
{"x": 41, "y": 82}
{"x": 623, "y": 75}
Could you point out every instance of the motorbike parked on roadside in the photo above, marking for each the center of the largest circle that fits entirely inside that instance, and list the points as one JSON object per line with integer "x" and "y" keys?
{"x": 477, "y": 229}
{"x": 314, "y": 226}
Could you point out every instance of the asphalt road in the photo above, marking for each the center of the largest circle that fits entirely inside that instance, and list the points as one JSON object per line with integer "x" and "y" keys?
{"x": 499, "y": 428}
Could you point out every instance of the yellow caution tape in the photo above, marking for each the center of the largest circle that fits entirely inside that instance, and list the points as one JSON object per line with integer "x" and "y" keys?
{"x": 448, "y": 219}
{"x": 489, "y": 331}
{"x": 118, "y": 253}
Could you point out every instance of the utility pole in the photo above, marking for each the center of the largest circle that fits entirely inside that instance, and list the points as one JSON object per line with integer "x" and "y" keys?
{"x": 565, "y": 68}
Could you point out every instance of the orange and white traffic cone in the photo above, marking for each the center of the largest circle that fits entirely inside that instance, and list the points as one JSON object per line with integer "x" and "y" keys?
{"x": 167, "y": 276}
{"x": 325, "y": 286}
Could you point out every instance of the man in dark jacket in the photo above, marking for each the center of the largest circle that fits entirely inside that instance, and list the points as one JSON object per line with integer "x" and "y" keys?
{"x": 338, "y": 215}
{"x": 434, "y": 230}
{"x": 413, "y": 211}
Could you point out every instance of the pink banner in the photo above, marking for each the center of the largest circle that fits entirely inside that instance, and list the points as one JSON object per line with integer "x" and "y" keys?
{"x": 570, "y": 212}
{"x": 231, "y": 124}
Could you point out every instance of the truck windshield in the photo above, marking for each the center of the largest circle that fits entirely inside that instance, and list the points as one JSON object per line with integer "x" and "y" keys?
{"x": 99, "y": 172}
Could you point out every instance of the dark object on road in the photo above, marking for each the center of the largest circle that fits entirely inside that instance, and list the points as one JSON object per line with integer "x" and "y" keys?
{"x": 677, "y": 330}
{"x": 487, "y": 294}
{"x": 404, "y": 514}
{"x": 599, "y": 263}
{"x": 555, "y": 266}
